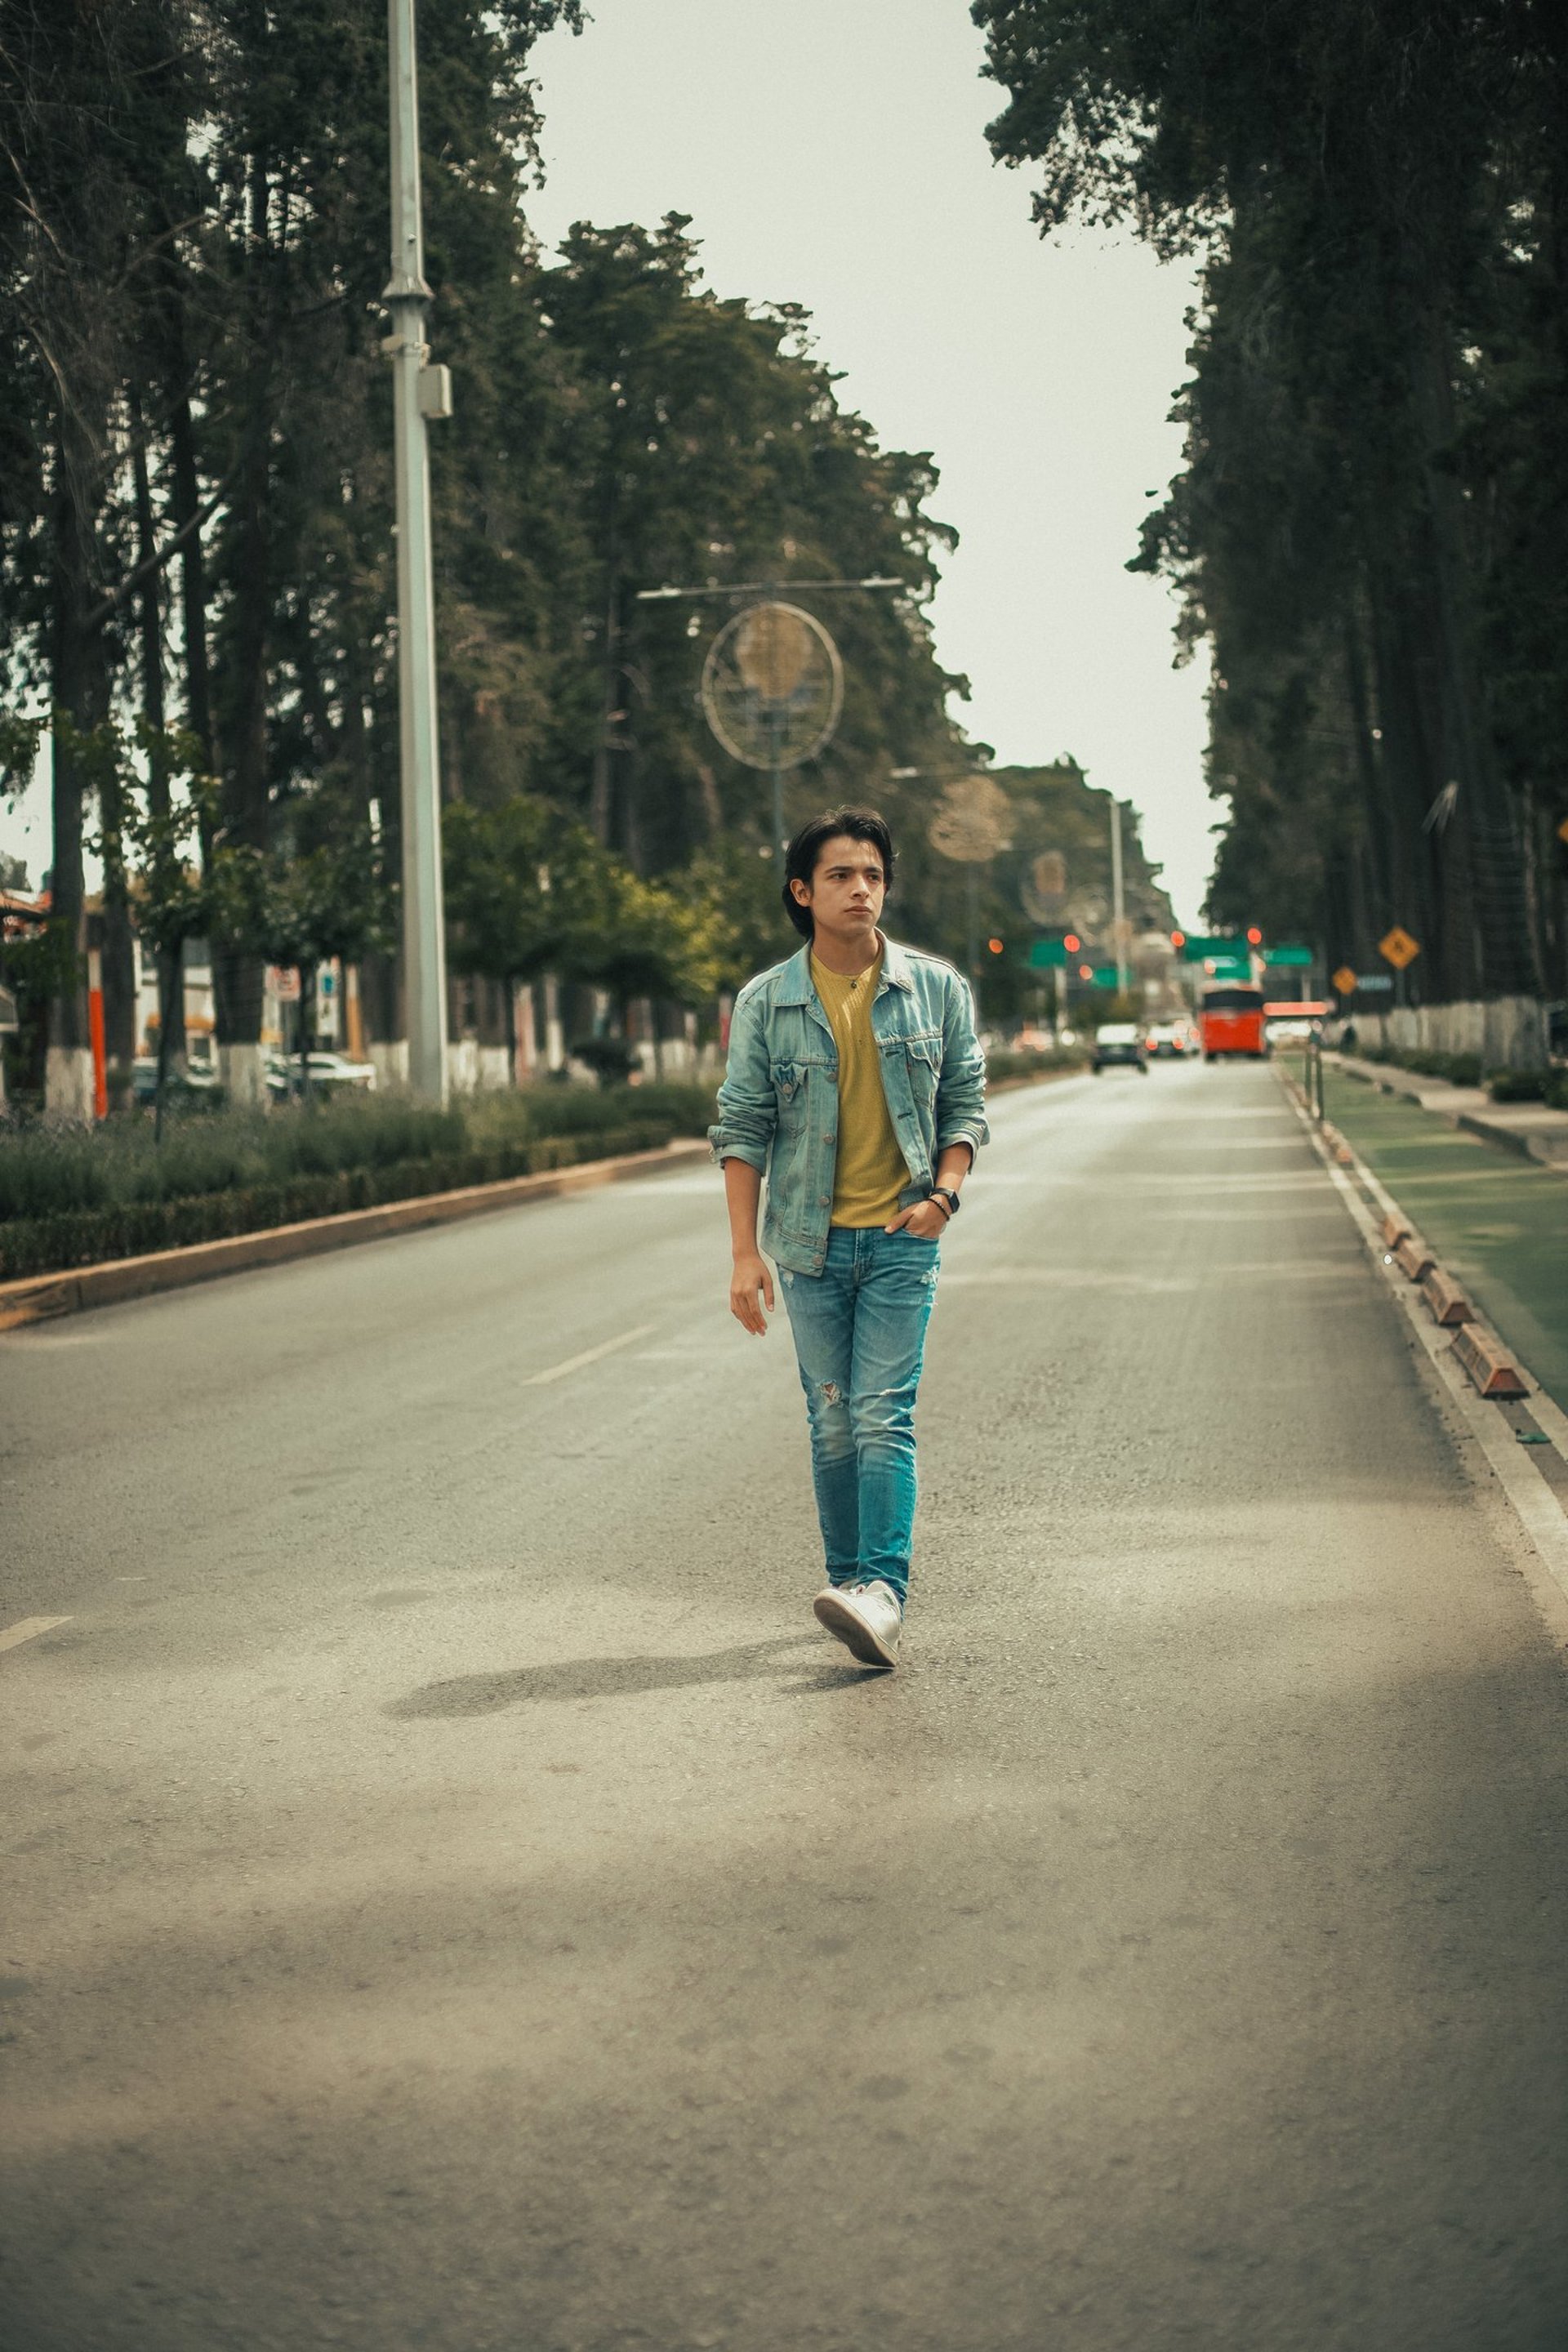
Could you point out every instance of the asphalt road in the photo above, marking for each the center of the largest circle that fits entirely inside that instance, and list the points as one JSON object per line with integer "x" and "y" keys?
{"x": 457, "y": 1898}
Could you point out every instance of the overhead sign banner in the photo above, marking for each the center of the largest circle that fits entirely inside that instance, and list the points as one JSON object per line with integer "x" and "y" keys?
{"x": 1047, "y": 954}
{"x": 1288, "y": 955}
{"x": 1199, "y": 951}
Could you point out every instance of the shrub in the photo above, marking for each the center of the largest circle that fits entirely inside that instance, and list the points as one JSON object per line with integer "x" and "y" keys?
{"x": 1518, "y": 1085}
{"x": 1456, "y": 1069}
{"x": 1005, "y": 1063}
{"x": 49, "y": 1171}
{"x": 66, "y": 1237}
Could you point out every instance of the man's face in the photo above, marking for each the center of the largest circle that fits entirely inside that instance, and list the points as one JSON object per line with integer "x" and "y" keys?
{"x": 847, "y": 887}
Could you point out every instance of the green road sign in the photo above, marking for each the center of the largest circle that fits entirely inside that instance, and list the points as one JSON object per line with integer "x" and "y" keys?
{"x": 1199, "y": 951}
{"x": 1229, "y": 968}
{"x": 1106, "y": 976}
{"x": 1288, "y": 955}
{"x": 1045, "y": 955}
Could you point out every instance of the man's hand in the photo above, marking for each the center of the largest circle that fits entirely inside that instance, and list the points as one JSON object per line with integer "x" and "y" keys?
{"x": 750, "y": 1275}
{"x": 927, "y": 1220}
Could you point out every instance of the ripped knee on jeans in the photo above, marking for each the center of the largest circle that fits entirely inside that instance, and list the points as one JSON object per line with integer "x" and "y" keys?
{"x": 830, "y": 1393}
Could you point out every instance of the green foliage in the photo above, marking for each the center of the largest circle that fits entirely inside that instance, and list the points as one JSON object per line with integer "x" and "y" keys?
{"x": 44, "y": 1167}
{"x": 305, "y": 908}
{"x": 1371, "y": 533}
{"x": 1455, "y": 1069}
{"x": 1518, "y": 1085}
{"x": 1009, "y": 1063}
{"x": 197, "y": 503}
{"x": 45, "y": 1170}
{"x": 68, "y": 1237}
{"x": 520, "y": 884}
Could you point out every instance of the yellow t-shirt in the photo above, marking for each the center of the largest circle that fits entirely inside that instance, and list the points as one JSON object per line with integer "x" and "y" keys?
{"x": 870, "y": 1171}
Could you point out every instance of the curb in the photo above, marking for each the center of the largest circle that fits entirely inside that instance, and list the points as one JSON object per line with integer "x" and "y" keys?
{"x": 1464, "y": 1362}
{"x": 1531, "y": 1130}
{"x": 39, "y": 1298}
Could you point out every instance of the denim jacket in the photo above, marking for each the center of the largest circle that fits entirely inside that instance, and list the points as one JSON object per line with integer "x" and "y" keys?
{"x": 778, "y": 1106}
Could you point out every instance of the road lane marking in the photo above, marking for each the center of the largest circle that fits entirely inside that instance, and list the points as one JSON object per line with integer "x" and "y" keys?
{"x": 28, "y": 1629}
{"x": 588, "y": 1356}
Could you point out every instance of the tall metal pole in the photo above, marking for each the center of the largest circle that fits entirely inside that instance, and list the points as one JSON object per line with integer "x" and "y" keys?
{"x": 1119, "y": 910}
{"x": 776, "y": 766}
{"x": 417, "y": 390}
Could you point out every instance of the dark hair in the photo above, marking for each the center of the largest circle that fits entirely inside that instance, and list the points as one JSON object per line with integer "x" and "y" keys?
{"x": 801, "y": 857}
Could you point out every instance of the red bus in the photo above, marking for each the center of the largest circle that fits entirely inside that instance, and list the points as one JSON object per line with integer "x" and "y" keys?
{"x": 1230, "y": 1020}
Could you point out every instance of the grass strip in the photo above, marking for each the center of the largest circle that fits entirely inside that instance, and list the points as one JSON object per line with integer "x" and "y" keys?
{"x": 1496, "y": 1221}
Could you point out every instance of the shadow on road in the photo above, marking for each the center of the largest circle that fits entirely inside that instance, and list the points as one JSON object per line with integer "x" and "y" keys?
{"x": 570, "y": 1679}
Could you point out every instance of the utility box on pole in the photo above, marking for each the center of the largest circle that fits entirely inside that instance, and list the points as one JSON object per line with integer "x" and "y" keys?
{"x": 419, "y": 392}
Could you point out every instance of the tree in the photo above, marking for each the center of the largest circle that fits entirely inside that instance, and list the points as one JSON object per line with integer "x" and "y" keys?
{"x": 1377, "y": 191}
{"x": 305, "y": 907}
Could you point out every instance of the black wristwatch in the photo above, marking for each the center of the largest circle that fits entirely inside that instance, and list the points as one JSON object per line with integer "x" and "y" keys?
{"x": 942, "y": 1192}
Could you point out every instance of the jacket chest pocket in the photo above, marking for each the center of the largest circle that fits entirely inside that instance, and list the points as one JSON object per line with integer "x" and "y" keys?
{"x": 789, "y": 1087}
{"x": 922, "y": 1060}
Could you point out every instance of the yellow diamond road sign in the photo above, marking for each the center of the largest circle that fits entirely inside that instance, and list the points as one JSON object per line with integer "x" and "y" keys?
{"x": 1345, "y": 979}
{"x": 1396, "y": 947}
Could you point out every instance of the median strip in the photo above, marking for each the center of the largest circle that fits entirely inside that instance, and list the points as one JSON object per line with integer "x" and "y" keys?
{"x": 41, "y": 1297}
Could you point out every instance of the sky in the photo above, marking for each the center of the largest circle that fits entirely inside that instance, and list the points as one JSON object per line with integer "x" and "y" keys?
{"x": 832, "y": 152}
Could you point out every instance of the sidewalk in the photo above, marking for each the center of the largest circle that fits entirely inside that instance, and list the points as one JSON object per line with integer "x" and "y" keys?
{"x": 1528, "y": 1128}
{"x": 1496, "y": 1218}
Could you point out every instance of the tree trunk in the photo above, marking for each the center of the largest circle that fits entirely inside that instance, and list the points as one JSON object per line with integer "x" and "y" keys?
{"x": 80, "y": 691}
{"x": 237, "y": 976}
{"x": 1481, "y": 866}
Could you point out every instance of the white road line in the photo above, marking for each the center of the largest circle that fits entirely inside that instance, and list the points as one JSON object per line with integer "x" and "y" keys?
{"x": 28, "y": 1629}
{"x": 588, "y": 1356}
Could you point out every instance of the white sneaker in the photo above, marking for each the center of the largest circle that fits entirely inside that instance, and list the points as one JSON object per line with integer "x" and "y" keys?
{"x": 866, "y": 1619}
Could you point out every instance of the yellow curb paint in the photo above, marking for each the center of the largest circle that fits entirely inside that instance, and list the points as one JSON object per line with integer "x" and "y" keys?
{"x": 588, "y": 1356}
{"x": 28, "y": 1629}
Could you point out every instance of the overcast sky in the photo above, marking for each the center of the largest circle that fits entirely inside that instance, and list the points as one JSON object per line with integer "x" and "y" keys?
{"x": 832, "y": 152}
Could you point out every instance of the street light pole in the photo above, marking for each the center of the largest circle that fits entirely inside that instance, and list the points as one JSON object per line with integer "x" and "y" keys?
{"x": 419, "y": 392}
{"x": 1118, "y": 912}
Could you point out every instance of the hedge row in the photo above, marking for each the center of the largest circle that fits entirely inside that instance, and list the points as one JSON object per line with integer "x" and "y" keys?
{"x": 1006, "y": 1062}
{"x": 1426, "y": 1062}
{"x": 1547, "y": 1086}
{"x": 74, "y": 1238}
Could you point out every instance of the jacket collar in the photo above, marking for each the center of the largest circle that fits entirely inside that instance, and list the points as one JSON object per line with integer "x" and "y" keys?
{"x": 796, "y": 988}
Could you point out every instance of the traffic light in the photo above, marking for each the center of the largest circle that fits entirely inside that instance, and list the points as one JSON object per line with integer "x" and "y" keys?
{"x": 995, "y": 946}
{"x": 1254, "y": 937}
{"x": 1178, "y": 939}
{"x": 1086, "y": 971}
{"x": 1072, "y": 943}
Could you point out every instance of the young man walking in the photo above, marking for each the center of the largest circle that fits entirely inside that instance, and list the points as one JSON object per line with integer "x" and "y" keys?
{"x": 856, "y": 1086}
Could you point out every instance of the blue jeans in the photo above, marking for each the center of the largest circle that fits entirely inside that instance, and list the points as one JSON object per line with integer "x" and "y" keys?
{"x": 860, "y": 1329}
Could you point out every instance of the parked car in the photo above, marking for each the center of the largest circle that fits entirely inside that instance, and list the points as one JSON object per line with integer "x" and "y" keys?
{"x": 328, "y": 1073}
{"x": 195, "y": 1083}
{"x": 1119, "y": 1044}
